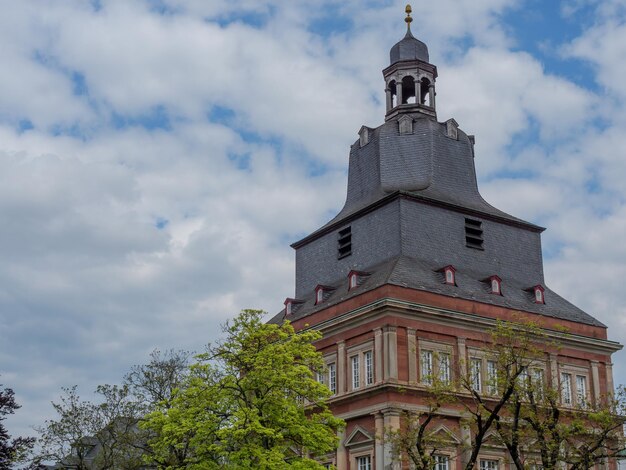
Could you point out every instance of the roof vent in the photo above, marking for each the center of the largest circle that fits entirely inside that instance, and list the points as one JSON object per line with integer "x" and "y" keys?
{"x": 474, "y": 234}
{"x": 344, "y": 242}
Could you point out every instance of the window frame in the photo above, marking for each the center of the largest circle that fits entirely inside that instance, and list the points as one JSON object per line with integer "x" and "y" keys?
{"x": 437, "y": 350}
{"x": 360, "y": 351}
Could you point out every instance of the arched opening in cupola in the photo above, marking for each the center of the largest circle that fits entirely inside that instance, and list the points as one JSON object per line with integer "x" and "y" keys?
{"x": 408, "y": 90}
{"x": 425, "y": 92}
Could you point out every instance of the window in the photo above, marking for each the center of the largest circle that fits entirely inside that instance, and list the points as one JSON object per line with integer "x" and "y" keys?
{"x": 488, "y": 464}
{"x": 474, "y": 234}
{"x": 449, "y": 274}
{"x": 344, "y": 243}
{"x": 475, "y": 373}
{"x": 566, "y": 388}
{"x": 539, "y": 294}
{"x": 581, "y": 390}
{"x": 444, "y": 368}
{"x": 426, "y": 367}
{"x": 356, "y": 372}
{"x": 496, "y": 285}
{"x": 319, "y": 295}
{"x": 435, "y": 363}
{"x": 362, "y": 372}
{"x": 369, "y": 367}
{"x": 354, "y": 280}
{"x": 538, "y": 382}
{"x": 321, "y": 377}
{"x": 364, "y": 462}
{"x": 492, "y": 377}
{"x": 441, "y": 462}
{"x": 332, "y": 377}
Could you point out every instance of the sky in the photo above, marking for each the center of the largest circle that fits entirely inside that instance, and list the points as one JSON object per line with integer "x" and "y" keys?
{"x": 157, "y": 158}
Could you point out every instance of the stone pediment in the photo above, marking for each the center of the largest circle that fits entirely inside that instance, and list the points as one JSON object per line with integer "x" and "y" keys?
{"x": 358, "y": 437}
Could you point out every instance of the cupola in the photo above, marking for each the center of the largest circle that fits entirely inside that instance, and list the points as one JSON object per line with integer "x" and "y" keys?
{"x": 410, "y": 78}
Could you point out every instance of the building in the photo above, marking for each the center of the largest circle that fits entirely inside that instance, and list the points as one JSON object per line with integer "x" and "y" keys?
{"x": 418, "y": 265}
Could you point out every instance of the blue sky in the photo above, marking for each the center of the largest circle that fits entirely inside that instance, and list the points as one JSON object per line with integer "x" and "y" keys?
{"x": 158, "y": 157}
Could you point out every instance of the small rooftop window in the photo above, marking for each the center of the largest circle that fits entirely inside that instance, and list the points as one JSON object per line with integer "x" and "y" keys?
{"x": 322, "y": 293}
{"x": 291, "y": 305}
{"x": 449, "y": 275}
{"x": 496, "y": 285}
{"x": 474, "y": 234}
{"x": 355, "y": 278}
{"x": 539, "y": 294}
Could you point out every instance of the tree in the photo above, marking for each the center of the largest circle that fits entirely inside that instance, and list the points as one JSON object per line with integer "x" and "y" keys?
{"x": 539, "y": 429}
{"x": 106, "y": 434}
{"x": 251, "y": 401}
{"x": 90, "y": 435}
{"x": 516, "y": 402}
{"x": 512, "y": 351}
{"x": 416, "y": 437}
{"x": 11, "y": 450}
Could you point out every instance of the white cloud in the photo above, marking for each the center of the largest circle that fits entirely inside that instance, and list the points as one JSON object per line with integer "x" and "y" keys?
{"x": 116, "y": 240}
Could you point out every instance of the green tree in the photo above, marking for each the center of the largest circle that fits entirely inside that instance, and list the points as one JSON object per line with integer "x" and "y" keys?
{"x": 105, "y": 434}
{"x": 251, "y": 401}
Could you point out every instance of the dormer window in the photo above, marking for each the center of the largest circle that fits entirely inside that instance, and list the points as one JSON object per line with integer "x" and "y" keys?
{"x": 449, "y": 274}
{"x": 322, "y": 293}
{"x": 539, "y": 294}
{"x": 291, "y": 305}
{"x": 355, "y": 278}
{"x": 496, "y": 285}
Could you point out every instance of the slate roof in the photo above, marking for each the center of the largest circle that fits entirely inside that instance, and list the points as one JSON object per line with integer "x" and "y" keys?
{"x": 409, "y": 48}
{"x": 426, "y": 164}
{"x": 420, "y": 275}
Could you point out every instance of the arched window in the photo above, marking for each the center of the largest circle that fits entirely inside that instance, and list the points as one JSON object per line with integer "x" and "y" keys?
{"x": 539, "y": 294}
{"x": 496, "y": 285}
{"x": 449, "y": 274}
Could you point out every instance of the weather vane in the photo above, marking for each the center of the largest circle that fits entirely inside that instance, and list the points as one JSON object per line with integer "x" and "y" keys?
{"x": 408, "y": 18}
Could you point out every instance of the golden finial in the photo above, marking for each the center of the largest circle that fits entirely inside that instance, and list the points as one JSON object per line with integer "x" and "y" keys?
{"x": 408, "y": 18}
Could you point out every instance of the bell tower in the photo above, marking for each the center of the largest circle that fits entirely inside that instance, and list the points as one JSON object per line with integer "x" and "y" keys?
{"x": 415, "y": 269}
{"x": 410, "y": 77}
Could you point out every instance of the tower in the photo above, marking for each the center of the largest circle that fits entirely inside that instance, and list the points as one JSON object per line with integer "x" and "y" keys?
{"x": 418, "y": 265}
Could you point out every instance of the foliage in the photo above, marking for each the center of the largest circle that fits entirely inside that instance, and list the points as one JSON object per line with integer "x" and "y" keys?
{"x": 11, "y": 450}
{"x": 513, "y": 348}
{"x": 87, "y": 435}
{"x": 540, "y": 430}
{"x": 105, "y": 434}
{"x": 524, "y": 411}
{"x": 416, "y": 437}
{"x": 250, "y": 402}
